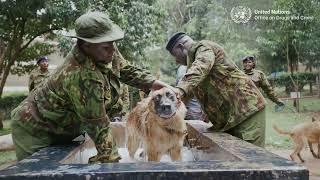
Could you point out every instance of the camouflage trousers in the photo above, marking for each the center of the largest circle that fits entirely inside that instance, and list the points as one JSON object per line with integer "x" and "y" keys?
{"x": 252, "y": 130}
{"x": 26, "y": 143}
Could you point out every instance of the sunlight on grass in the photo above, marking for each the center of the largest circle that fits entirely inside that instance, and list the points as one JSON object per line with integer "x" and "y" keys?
{"x": 7, "y": 156}
{"x": 287, "y": 119}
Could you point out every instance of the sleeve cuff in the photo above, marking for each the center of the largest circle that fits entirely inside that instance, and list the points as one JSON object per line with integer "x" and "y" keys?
{"x": 182, "y": 90}
{"x": 98, "y": 120}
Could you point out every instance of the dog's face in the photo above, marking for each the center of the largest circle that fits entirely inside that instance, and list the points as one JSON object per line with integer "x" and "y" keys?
{"x": 165, "y": 102}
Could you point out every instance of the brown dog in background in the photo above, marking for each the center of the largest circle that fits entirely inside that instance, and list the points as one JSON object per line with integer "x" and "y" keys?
{"x": 158, "y": 123}
{"x": 309, "y": 131}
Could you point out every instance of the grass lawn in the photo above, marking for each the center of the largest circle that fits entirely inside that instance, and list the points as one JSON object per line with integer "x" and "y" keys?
{"x": 7, "y": 156}
{"x": 287, "y": 119}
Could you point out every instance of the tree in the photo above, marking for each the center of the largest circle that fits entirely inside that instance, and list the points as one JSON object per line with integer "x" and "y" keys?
{"x": 293, "y": 41}
{"x": 21, "y": 22}
{"x": 140, "y": 19}
{"x": 210, "y": 19}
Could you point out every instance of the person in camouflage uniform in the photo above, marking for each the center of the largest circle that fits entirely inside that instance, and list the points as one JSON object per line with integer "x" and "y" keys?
{"x": 122, "y": 106}
{"x": 229, "y": 98}
{"x": 80, "y": 94}
{"x": 259, "y": 79}
{"x": 39, "y": 74}
{"x": 194, "y": 111}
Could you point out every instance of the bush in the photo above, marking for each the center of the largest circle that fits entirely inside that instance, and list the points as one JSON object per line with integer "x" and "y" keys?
{"x": 300, "y": 78}
{"x": 8, "y": 103}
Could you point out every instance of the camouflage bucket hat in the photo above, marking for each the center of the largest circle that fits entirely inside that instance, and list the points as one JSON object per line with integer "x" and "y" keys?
{"x": 96, "y": 27}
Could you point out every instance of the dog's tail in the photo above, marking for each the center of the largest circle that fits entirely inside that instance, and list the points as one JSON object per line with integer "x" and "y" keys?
{"x": 275, "y": 127}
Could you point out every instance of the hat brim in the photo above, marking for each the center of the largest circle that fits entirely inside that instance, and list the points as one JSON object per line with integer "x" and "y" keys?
{"x": 115, "y": 34}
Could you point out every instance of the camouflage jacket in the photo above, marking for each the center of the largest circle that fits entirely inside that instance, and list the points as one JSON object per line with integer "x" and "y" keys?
{"x": 36, "y": 77}
{"x": 78, "y": 97}
{"x": 225, "y": 93}
{"x": 260, "y": 80}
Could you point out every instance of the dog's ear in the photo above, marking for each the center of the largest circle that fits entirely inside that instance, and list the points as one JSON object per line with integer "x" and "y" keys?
{"x": 151, "y": 103}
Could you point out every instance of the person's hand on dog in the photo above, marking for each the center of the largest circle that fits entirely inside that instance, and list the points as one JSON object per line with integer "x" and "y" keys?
{"x": 157, "y": 84}
{"x": 179, "y": 93}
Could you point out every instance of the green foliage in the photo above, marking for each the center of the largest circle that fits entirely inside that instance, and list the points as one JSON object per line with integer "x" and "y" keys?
{"x": 65, "y": 45}
{"x": 163, "y": 65}
{"x": 142, "y": 22}
{"x": 8, "y": 103}
{"x": 6, "y": 128}
{"x": 286, "y": 43}
{"x": 11, "y": 101}
{"x": 210, "y": 20}
{"x": 21, "y": 22}
{"x": 25, "y": 62}
{"x": 299, "y": 78}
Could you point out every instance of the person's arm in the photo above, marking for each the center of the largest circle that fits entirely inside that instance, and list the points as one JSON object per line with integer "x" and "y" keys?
{"x": 87, "y": 98}
{"x": 124, "y": 95}
{"x": 268, "y": 90}
{"x": 199, "y": 70}
{"x": 31, "y": 83}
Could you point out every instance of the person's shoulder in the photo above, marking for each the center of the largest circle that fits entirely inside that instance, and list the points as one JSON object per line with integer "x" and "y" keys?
{"x": 35, "y": 71}
{"x": 208, "y": 43}
{"x": 68, "y": 72}
{"x": 204, "y": 45}
{"x": 258, "y": 71}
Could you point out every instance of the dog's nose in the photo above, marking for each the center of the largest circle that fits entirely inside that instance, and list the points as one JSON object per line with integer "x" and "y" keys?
{"x": 166, "y": 108}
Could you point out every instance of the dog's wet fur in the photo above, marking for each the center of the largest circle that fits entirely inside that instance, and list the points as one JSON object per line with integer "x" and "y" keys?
{"x": 309, "y": 131}
{"x": 157, "y": 122}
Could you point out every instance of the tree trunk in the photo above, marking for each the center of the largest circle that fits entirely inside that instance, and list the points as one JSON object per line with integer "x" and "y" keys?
{"x": 318, "y": 83}
{"x": 2, "y": 56}
{"x": 311, "y": 83}
{"x": 290, "y": 65}
{"x": 5, "y": 76}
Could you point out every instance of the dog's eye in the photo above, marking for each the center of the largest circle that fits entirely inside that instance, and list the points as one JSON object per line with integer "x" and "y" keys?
{"x": 157, "y": 97}
{"x": 172, "y": 98}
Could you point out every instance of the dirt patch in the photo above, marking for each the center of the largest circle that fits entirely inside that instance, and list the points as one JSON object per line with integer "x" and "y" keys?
{"x": 311, "y": 163}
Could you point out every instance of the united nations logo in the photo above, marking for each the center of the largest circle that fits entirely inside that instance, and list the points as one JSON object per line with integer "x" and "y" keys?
{"x": 240, "y": 14}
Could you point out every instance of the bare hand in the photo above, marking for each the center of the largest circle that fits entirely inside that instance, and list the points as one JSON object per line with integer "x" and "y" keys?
{"x": 157, "y": 84}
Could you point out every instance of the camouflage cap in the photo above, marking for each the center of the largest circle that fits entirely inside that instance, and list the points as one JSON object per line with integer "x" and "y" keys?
{"x": 96, "y": 27}
{"x": 251, "y": 58}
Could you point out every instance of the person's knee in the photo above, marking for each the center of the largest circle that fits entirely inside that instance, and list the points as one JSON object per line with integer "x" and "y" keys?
{"x": 255, "y": 136}
{"x": 259, "y": 141}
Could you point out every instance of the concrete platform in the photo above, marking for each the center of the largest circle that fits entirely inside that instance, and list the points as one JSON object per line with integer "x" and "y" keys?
{"x": 228, "y": 158}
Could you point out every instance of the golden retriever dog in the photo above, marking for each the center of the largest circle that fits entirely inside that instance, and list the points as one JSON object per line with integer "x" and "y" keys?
{"x": 309, "y": 131}
{"x": 158, "y": 123}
